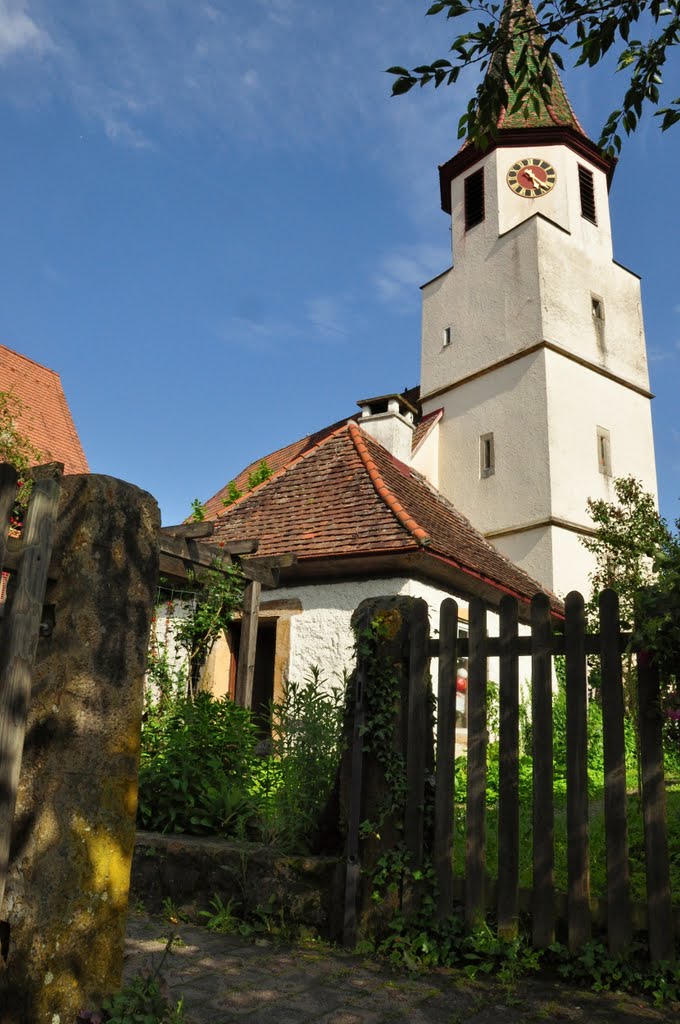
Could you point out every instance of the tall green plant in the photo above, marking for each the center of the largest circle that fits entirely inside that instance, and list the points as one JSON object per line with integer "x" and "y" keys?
{"x": 306, "y": 746}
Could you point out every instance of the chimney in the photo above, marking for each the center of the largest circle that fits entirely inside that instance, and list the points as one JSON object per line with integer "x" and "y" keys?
{"x": 389, "y": 419}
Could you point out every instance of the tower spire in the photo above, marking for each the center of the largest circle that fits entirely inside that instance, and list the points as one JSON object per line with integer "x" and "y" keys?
{"x": 521, "y": 45}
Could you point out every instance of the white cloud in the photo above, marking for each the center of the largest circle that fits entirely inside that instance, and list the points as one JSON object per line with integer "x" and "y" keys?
{"x": 19, "y": 33}
{"x": 328, "y": 315}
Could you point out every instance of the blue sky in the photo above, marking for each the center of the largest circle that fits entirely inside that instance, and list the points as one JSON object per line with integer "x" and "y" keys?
{"x": 215, "y": 222}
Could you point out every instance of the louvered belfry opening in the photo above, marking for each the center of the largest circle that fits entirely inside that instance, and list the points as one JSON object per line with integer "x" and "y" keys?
{"x": 587, "y": 190}
{"x": 474, "y": 199}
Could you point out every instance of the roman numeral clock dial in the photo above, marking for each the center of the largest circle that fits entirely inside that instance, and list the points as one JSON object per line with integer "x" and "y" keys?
{"x": 531, "y": 178}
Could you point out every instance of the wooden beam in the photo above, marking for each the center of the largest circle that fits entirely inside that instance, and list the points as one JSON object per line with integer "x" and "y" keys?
{"x": 195, "y": 530}
{"x": 252, "y": 570}
{"x": 246, "y": 656}
{"x": 272, "y": 561}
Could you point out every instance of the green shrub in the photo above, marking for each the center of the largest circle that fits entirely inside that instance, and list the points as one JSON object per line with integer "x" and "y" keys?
{"x": 195, "y": 766}
{"x": 296, "y": 780}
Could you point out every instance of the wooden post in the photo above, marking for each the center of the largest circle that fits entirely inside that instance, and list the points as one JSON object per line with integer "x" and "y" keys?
{"x": 417, "y": 743}
{"x": 247, "y": 648}
{"x": 475, "y": 844}
{"x": 659, "y": 909}
{"x": 22, "y": 629}
{"x": 508, "y": 797}
{"x": 353, "y": 867}
{"x": 542, "y": 750}
{"x": 578, "y": 865}
{"x": 619, "y": 922}
{"x": 446, "y": 755}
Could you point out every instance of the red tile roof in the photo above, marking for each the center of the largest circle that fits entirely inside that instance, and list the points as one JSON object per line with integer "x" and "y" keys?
{"x": 347, "y": 496}
{"x": 45, "y": 416}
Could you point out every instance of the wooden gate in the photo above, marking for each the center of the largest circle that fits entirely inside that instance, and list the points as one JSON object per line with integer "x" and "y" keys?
{"x": 27, "y": 555}
{"x": 541, "y": 646}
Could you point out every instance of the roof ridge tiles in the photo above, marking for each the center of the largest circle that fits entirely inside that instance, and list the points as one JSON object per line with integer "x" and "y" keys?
{"x": 382, "y": 490}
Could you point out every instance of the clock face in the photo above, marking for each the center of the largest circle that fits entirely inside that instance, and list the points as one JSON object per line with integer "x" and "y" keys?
{"x": 531, "y": 177}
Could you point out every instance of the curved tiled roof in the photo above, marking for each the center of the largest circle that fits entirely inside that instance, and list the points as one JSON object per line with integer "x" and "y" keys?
{"x": 347, "y": 496}
{"x": 44, "y": 415}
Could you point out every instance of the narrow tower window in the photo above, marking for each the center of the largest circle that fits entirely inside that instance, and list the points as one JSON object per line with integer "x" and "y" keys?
{"x": 446, "y": 336}
{"x": 474, "y": 199}
{"x": 487, "y": 456}
{"x": 587, "y": 190}
{"x": 604, "y": 451}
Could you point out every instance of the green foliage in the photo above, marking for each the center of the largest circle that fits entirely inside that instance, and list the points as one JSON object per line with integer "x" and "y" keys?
{"x": 539, "y": 35}
{"x": 197, "y": 511}
{"x": 261, "y": 473}
{"x": 16, "y": 449}
{"x": 233, "y": 494}
{"x": 195, "y": 766}
{"x": 218, "y": 594}
{"x": 306, "y": 745}
{"x": 631, "y": 972}
{"x": 143, "y": 1001}
{"x": 629, "y": 536}
{"x": 233, "y": 918}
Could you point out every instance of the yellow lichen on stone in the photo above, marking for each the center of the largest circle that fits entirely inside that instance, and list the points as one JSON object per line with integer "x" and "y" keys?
{"x": 108, "y": 864}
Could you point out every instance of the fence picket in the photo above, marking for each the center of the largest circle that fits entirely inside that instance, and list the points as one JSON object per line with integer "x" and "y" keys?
{"x": 542, "y": 752}
{"x": 444, "y": 771}
{"x": 475, "y": 841}
{"x": 508, "y": 796}
{"x": 659, "y": 909}
{"x": 578, "y": 867}
{"x": 619, "y": 921}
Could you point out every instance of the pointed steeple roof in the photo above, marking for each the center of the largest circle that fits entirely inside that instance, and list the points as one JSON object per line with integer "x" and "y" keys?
{"x": 546, "y": 120}
{"x": 545, "y": 111}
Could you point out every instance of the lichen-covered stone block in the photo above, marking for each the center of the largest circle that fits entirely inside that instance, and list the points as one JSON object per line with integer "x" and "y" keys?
{"x": 65, "y": 906}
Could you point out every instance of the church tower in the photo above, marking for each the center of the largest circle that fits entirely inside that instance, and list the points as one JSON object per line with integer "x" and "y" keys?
{"x": 533, "y": 342}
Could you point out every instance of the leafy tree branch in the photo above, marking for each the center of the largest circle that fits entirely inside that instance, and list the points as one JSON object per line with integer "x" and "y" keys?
{"x": 520, "y": 46}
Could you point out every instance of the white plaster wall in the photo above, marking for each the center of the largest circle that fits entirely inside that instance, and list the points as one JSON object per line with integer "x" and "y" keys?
{"x": 392, "y": 431}
{"x": 511, "y": 403}
{"x": 426, "y": 459}
{"x": 321, "y": 634}
{"x": 491, "y": 298}
{"x": 580, "y": 401}
{"x": 532, "y": 550}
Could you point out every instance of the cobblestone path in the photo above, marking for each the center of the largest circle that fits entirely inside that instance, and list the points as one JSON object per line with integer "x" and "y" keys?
{"x": 226, "y": 979}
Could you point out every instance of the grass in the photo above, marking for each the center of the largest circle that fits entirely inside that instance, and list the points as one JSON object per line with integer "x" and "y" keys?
{"x": 597, "y": 844}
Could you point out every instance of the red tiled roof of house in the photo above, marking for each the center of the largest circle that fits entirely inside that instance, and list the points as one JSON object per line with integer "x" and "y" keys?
{"x": 44, "y": 416}
{"x": 347, "y": 496}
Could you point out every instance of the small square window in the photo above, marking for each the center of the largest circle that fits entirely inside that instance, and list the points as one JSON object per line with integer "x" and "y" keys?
{"x": 604, "y": 451}
{"x": 487, "y": 456}
{"x": 447, "y": 334}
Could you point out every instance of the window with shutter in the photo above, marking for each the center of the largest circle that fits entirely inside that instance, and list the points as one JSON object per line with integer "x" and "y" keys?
{"x": 587, "y": 190}
{"x": 474, "y": 199}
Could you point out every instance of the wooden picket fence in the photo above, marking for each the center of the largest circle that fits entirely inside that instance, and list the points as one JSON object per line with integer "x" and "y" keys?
{"x": 28, "y": 557}
{"x": 542, "y": 645}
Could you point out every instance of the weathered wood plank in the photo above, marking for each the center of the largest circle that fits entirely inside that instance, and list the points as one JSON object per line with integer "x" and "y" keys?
{"x": 272, "y": 561}
{"x": 523, "y": 648}
{"x": 245, "y": 673}
{"x": 508, "y": 797}
{"x": 543, "y": 930}
{"x": 20, "y": 642}
{"x": 578, "y": 864}
{"x": 261, "y": 574}
{"x": 8, "y": 493}
{"x": 659, "y": 909}
{"x": 619, "y": 920}
{"x": 475, "y": 841}
{"x": 444, "y": 765}
{"x": 416, "y": 744}
{"x": 354, "y": 816}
